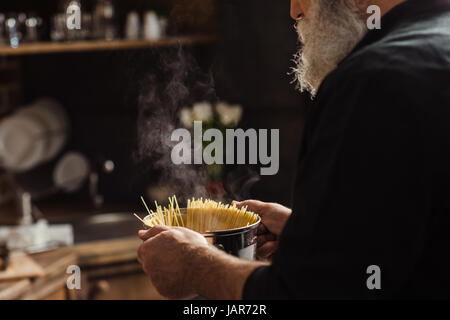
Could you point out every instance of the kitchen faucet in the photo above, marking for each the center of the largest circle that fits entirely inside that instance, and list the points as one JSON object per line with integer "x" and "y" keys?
{"x": 97, "y": 199}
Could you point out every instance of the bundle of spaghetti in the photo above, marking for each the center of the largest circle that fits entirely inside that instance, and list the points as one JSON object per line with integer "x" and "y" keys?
{"x": 201, "y": 215}
{"x": 170, "y": 216}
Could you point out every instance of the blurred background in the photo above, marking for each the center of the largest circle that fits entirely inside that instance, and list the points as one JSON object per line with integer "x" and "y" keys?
{"x": 84, "y": 114}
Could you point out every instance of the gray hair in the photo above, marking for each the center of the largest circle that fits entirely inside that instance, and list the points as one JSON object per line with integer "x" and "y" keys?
{"x": 329, "y": 33}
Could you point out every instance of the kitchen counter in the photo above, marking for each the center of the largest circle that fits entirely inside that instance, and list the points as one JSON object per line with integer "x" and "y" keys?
{"x": 109, "y": 270}
{"x": 50, "y": 286}
{"x": 109, "y": 267}
{"x": 113, "y": 272}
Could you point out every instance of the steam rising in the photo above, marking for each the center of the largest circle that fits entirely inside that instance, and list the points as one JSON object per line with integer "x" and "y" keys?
{"x": 178, "y": 82}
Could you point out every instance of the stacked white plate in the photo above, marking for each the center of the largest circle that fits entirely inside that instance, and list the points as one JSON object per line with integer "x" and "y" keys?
{"x": 33, "y": 135}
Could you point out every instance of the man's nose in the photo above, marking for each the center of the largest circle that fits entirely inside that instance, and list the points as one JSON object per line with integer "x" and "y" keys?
{"x": 296, "y": 11}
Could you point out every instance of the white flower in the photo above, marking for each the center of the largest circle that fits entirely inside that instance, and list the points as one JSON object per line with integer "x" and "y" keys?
{"x": 186, "y": 117}
{"x": 202, "y": 111}
{"x": 229, "y": 114}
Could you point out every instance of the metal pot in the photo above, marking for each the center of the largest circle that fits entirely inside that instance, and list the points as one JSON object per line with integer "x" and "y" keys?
{"x": 240, "y": 242}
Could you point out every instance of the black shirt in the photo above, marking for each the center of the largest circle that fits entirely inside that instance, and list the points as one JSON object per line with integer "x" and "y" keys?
{"x": 373, "y": 185}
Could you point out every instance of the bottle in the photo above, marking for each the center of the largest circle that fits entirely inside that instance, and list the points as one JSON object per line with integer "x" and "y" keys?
{"x": 152, "y": 30}
{"x": 103, "y": 20}
{"x": 73, "y": 33}
{"x": 2, "y": 29}
{"x": 133, "y": 26}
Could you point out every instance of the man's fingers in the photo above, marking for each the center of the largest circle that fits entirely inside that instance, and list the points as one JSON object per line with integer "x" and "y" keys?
{"x": 142, "y": 233}
{"x": 252, "y": 205}
{"x": 147, "y": 234}
{"x": 267, "y": 250}
{"x": 261, "y": 229}
{"x": 263, "y": 238}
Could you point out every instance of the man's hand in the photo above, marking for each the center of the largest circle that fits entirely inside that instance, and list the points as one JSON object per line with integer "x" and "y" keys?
{"x": 273, "y": 217}
{"x": 164, "y": 256}
{"x": 181, "y": 264}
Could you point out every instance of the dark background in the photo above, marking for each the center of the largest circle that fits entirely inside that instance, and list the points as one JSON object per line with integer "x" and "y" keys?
{"x": 256, "y": 49}
{"x": 100, "y": 90}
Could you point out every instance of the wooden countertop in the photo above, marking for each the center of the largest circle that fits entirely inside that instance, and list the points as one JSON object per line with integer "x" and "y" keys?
{"x": 114, "y": 256}
{"x": 98, "y": 259}
{"x": 101, "y": 258}
{"x": 55, "y": 264}
{"x": 106, "y": 252}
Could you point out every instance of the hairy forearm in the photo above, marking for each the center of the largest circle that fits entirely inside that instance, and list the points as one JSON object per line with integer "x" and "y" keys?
{"x": 217, "y": 275}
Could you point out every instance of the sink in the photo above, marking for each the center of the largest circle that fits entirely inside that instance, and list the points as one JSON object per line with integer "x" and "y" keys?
{"x": 104, "y": 226}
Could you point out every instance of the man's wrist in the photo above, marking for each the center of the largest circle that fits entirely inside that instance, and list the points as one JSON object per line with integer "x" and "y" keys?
{"x": 215, "y": 274}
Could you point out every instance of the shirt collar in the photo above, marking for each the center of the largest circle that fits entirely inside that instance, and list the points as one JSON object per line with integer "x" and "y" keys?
{"x": 407, "y": 11}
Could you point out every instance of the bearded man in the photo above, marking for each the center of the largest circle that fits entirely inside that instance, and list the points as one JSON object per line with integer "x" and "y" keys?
{"x": 372, "y": 199}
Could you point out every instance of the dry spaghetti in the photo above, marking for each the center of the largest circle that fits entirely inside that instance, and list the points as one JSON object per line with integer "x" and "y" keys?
{"x": 201, "y": 215}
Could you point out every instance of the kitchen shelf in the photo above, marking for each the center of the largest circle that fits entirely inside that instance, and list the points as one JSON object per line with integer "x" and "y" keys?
{"x": 85, "y": 46}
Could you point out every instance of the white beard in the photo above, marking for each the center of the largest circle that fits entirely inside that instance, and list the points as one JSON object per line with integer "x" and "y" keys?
{"x": 329, "y": 33}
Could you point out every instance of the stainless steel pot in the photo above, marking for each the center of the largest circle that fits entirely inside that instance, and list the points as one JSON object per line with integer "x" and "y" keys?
{"x": 240, "y": 242}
